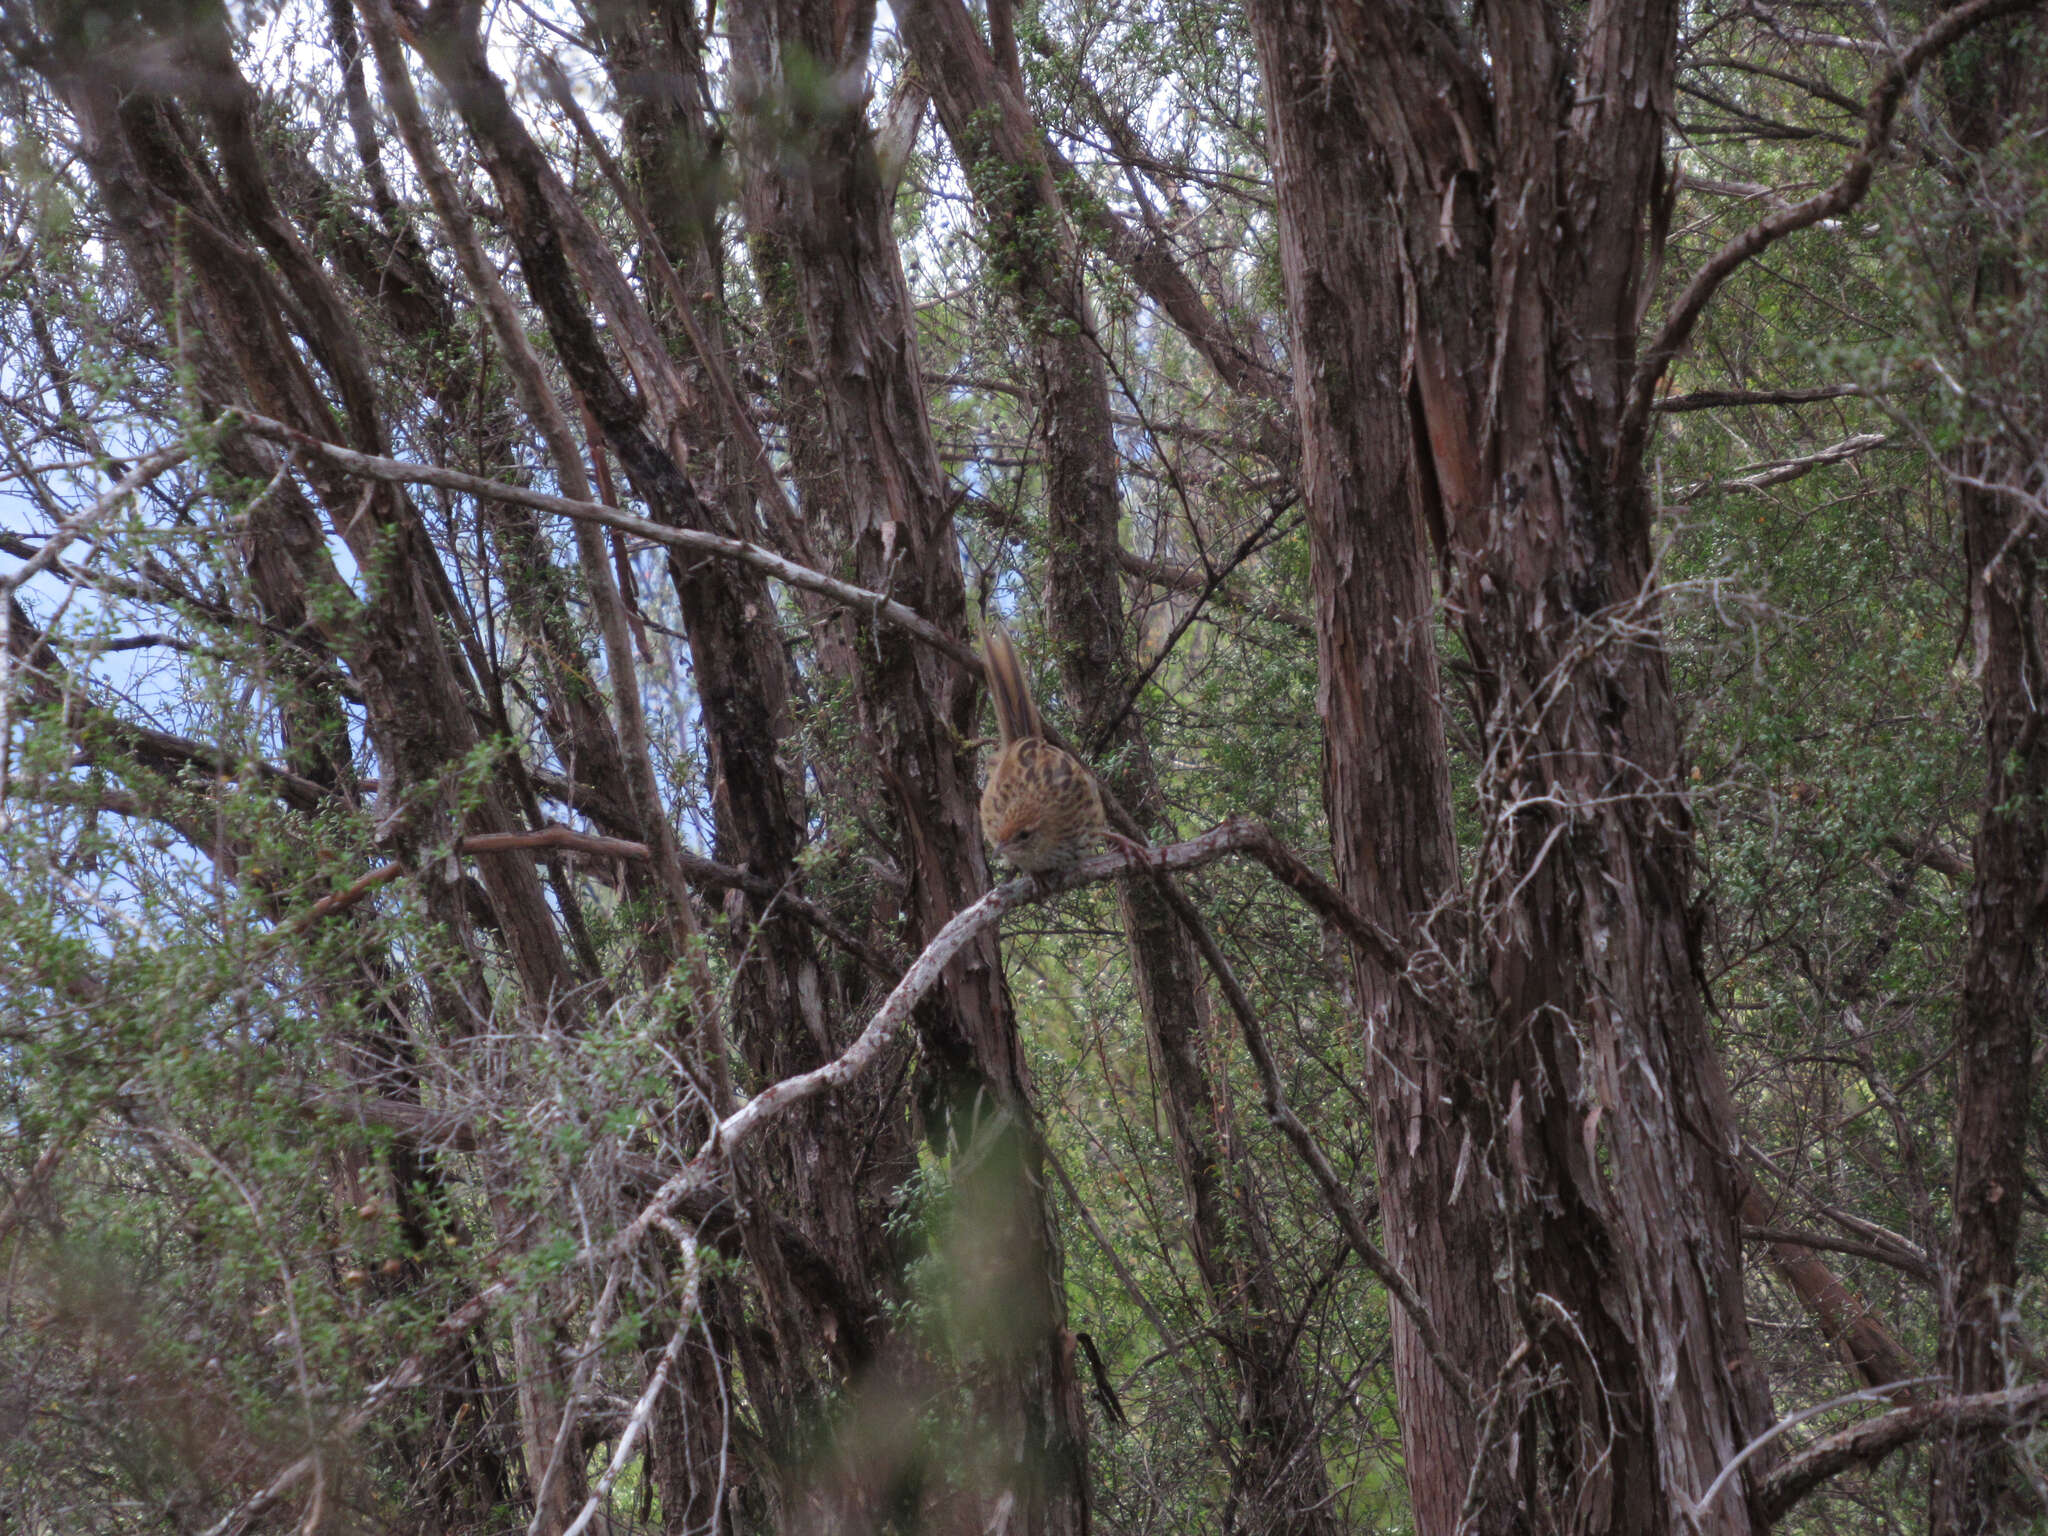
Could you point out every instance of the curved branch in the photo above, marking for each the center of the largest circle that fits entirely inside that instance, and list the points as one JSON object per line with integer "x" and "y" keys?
{"x": 1251, "y": 838}
{"x": 1866, "y": 1444}
{"x": 1846, "y": 193}
{"x": 1800, "y": 1238}
{"x": 1282, "y": 1114}
{"x": 700, "y": 1175}
{"x": 1779, "y": 471}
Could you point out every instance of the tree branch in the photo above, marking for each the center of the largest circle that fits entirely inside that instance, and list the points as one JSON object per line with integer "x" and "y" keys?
{"x": 1846, "y": 193}
{"x": 1891, "y": 1258}
{"x": 482, "y": 842}
{"x": 72, "y": 527}
{"x": 1191, "y": 578}
{"x": 1779, "y": 471}
{"x": 1282, "y": 1114}
{"x": 1866, "y": 1444}
{"x": 1711, "y": 399}
{"x": 643, "y": 1410}
{"x": 370, "y": 466}
{"x": 701, "y": 1173}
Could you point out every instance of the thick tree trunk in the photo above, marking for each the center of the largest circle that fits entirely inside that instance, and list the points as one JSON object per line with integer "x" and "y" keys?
{"x": 2005, "y": 989}
{"x": 421, "y": 698}
{"x": 1522, "y": 181}
{"x": 741, "y": 674}
{"x": 817, "y": 215}
{"x": 1975, "y": 1486}
{"x": 1386, "y": 781}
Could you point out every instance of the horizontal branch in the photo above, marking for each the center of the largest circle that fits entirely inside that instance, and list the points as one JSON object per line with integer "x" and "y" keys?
{"x": 1820, "y": 90}
{"x": 1780, "y": 471}
{"x": 370, "y": 466}
{"x": 1192, "y": 578}
{"x": 1712, "y": 399}
{"x": 1866, "y": 1444}
{"x": 1907, "y": 1256}
{"x": 1935, "y": 855}
{"x": 482, "y": 842}
{"x": 1891, "y": 1258}
{"x": 777, "y": 897}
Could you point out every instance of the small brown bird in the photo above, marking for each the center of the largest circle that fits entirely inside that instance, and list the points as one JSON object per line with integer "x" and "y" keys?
{"x": 1041, "y": 808}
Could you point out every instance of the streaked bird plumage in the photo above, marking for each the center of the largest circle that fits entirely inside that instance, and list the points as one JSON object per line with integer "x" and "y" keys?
{"x": 1041, "y": 809}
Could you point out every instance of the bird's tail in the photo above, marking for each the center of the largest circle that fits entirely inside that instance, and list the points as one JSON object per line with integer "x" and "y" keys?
{"x": 1016, "y": 715}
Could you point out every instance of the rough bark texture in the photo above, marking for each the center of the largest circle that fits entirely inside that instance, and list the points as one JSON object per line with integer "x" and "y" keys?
{"x": 1523, "y": 177}
{"x": 2005, "y": 993}
{"x": 788, "y": 996}
{"x": 872, "y": 492}
{"x": 1385, "y": 777}
{"x": 1974, "y": 1484}
{"x": 420, "y": 693}
{"x": 741, "y": 675}
{"x": 1469, "y": 212}
{"x": 1859, "y": 1336}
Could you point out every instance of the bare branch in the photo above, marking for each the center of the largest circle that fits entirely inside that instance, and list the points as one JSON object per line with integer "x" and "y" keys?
{"x": 1251, "y": 838}
{"x": 703, "y": 1171}
{"x": 1190, "y": 578}
{"x": 1335, "y": 1195}
{"x": 1711, "y": 399}
{"x": 1846, "y": 193}
{"x": 636, "y": 1422}
{"x": 1790, "y": 1422}
{"x": 1866, "y": 1444}
{"x": 71, "y": 528}
{"x": 394, "y": 471}
{"x": 482, "y": 842}
{"x": 555, "y": 837}
{"x": 1779, "y": 471}
{"x": 1891, "y": 1258}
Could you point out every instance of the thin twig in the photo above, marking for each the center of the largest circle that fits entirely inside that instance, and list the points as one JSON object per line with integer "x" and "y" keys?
{"x": 636, "y": 1422}
{"x": 73, "y": 527}
{"x": 1282, "y": 1114}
